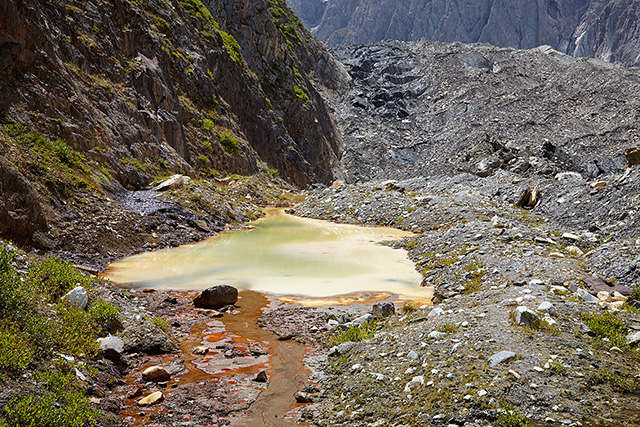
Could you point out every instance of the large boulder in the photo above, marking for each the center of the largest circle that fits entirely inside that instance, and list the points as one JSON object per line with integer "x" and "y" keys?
{"x": 216, "y": 296}
{"x": 20, "y": 211}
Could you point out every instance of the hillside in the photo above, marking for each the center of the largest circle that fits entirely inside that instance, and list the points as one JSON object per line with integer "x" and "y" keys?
{"x": 605, "y": 29}
{"x": 99, "y": 99}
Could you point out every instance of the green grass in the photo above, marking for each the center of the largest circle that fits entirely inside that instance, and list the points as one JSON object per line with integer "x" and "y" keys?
{"x": 356, "y": 333}
{"x": 608, "y": 326}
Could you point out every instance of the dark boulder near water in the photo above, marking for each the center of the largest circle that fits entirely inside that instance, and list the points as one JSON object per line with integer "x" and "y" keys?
{"x": 216, "y": 296}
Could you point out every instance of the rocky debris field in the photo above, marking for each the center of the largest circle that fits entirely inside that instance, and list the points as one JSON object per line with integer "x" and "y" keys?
{"x": 521, "y": 327}
{"x": 430, "y": 109}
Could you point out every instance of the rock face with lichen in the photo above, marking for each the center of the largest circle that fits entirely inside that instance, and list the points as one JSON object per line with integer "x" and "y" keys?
{"x": 99, "y": 97}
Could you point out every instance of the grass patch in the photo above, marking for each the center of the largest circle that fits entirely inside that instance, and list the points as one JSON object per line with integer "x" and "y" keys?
{"x": 356, "y": 333}
{"x": 409, "y": 307}
{"x": 607, "y": 326}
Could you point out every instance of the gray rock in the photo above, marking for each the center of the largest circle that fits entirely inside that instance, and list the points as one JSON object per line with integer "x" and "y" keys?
{"x": 415, "y": 382}
{"x": 633, "y": 338}
{"x": 383, "y": 309}
{"x": 341, "y": 348}
{"x": 569, "y": 177}
{"x": 412, "y": 355}
{"x": 437, "y": 334}
{"x": 200, "y": 350}
{"x": 156, "y": 374}
{"x": 302, "y": 397}
{"x": 437, "y": 311}
{"x": 501, "y": 357}
{"x": 77, "y": 297}
{"x": 112, "y": 347}
{"x": 362, "y": 319}
{"x": 633, "y": 155}
{"x": 547, "y": 307}
{"x": 217, "y": 296}
{"x": 524, "y": 316}
{"x": 586, "y": 296}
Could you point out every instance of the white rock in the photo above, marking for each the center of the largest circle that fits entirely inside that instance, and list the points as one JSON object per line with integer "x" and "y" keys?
{"x": 175, "y": 181}
{"x": 500, "y": 357}
{"x": 437, "y": 311}
{"x": 437, "y": 334}
{"x": 482, "y": 393}
{"x": 415, "y": 382}
{"x": 412, "y": 355}
{"x": 569, "y": 177}
{"x": 547, "y": 307}
{"x": 356, "y": 368}
{"x": 524, "y": 316}
{"x": 571, "y": 236}
{"x": 77, "y": 297}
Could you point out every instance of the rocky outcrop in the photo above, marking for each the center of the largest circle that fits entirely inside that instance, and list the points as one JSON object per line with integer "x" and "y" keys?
{"x": 602, "y": 28}
{"x": 97, "y": 97}
{"x": 20, "y": 211}
{"x": 216, "y": 296}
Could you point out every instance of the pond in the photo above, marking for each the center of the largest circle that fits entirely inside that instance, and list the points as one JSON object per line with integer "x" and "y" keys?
{"x": 282, "y": 255}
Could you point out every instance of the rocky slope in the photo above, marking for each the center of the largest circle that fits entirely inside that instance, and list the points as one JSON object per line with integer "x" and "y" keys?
{"x": 99, "y": 99}
{"x": 430, "y": 109}
{"x": 602, "y": 28}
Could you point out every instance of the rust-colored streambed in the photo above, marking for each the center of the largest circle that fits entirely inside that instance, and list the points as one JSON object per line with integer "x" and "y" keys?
{"x": 281, "y": 359}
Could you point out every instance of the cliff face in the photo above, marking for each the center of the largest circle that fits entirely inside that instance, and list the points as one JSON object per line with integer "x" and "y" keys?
{"x": 605, "y": 29}
{"x": 99, "y": 95}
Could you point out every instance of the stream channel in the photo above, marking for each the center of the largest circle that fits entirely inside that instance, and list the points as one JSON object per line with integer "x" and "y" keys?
{"x": 279, "y": 260}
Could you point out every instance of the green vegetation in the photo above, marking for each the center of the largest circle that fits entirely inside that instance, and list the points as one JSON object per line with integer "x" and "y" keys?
{"x": 301, "y": 94}
{"x": 208, "y": 124}
{"x": 228, "y": 142}
{"x": 449, "y": 328}
{"x": 409, "y": 307}
{"x": 288, "y": 24}
{"x": 357, "y": 333}
{"x": 607, "y": 326}
{"x": 621, "y": 382}
{"x": 36, "y": 324}
{"x": 509, "y": 417}
{"x": 198, "y": 10}
{"x": 274, "y": 172}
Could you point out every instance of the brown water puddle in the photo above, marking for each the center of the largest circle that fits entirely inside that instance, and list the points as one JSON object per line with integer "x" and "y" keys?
{"x": 281, "y": 359}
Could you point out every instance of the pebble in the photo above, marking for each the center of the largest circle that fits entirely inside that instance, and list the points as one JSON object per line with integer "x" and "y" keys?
{"x": 437, "y": 311}
{"x": 156, "y": 374}
{"x": 524, "y": 316}
{"x": 586, "y": 296}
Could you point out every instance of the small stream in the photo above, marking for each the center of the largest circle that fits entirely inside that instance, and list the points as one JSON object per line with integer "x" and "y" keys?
{"x": 291, "y": 259}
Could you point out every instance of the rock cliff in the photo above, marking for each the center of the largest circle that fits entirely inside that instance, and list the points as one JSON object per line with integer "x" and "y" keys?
{"x": 97, "y": 96}
{"x": 602, "y": 28}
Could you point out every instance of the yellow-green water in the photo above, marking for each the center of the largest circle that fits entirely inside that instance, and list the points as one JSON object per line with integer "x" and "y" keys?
{"x": 283, "y": 255}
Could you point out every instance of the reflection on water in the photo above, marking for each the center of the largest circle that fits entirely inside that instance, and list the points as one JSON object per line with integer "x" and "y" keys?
{"x": 283, "y": 255}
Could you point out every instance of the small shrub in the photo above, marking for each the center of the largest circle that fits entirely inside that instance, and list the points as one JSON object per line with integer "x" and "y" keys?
{"x": 161, "y": 323}
{"x": 301, "y": 94}
{"x": 409, "y": 307}
{"x": 15, "y": 353}
{"x": 274, "y": 172}
{"x": 207, "y": 144}
{"x": 106, "y": 316}
{"x": 208, "y": 124}
{"x": 449, "y": 328}
{"x": 607, "y": 326}
{"x": 55, "y": 278}
{"x": 509, "y": 417}
{"x": 228, "y": 142}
